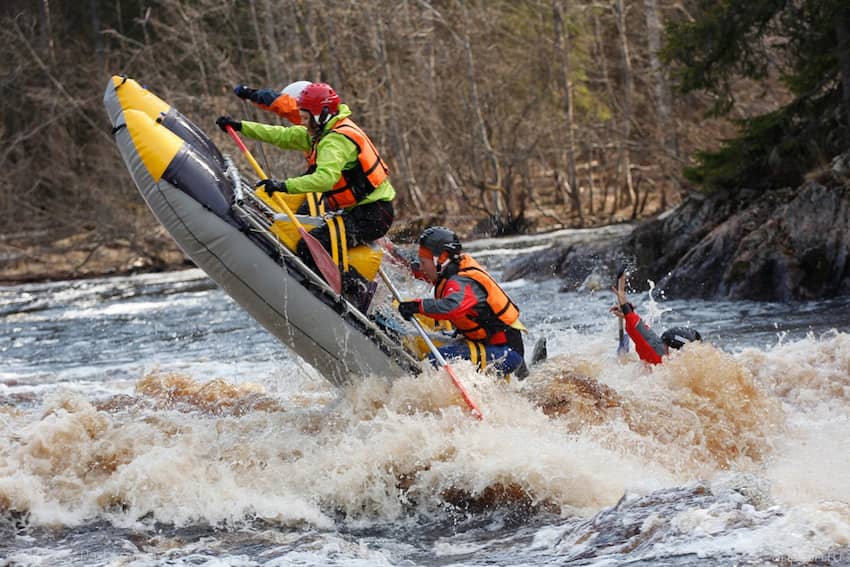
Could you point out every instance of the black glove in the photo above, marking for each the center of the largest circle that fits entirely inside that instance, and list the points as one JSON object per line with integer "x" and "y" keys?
{"x": 272, "y": 185}
{"x": 225, "y": 121}
{"x": 243, "y": 91}
{"x": 408, "y": 309}
{"x": 264, "y": 96}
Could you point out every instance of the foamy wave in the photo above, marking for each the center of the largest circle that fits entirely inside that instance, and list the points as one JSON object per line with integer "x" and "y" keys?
{"x": 811, "y": 378}
{"x": 811, "y": 372}
{"x": 578, "y": 434}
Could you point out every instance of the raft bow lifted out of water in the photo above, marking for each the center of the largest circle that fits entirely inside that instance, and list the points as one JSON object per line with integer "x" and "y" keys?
{"x": 234, "y": 236}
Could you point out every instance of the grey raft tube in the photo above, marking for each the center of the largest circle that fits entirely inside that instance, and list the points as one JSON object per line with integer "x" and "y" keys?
{"x": 185, "y": 181}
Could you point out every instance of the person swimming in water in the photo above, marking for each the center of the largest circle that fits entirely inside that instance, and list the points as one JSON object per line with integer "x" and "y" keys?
{"x": 650, "y": 347}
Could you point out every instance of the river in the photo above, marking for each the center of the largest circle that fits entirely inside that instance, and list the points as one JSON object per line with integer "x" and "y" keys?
{"x": 147, "y": 420}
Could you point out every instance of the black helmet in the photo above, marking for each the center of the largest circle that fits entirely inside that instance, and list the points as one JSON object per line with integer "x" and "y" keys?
{"x": 439, "y": 239}
{"x": 677, "y": 337}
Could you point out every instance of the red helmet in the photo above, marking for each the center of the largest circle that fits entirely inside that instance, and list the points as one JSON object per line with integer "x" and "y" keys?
{"x": 320, "y": 100}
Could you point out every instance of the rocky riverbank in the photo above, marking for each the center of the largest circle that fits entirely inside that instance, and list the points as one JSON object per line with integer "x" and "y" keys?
{"x": 781, "y": 245}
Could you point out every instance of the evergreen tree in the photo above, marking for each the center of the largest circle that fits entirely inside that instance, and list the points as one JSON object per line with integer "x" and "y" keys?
{"x": 807, "y": 43}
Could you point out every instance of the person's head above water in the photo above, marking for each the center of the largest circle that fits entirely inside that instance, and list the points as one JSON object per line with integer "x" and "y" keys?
{"x": 438, "y": 246}
{"x": 318, "y": 103}
{"x": 677, "y": 337}
{"x": 674, "y": 338}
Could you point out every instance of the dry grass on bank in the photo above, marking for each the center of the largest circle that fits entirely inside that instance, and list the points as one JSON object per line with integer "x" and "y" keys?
{"x": 35, "y": 257}
{"x": 83, "y": 255}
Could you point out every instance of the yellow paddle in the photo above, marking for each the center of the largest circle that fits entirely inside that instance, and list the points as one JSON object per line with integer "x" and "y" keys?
{"x": 320, "y": 255}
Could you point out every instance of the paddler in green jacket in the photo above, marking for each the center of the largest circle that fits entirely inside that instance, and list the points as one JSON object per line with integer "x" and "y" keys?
{"x": 342, "y": 165}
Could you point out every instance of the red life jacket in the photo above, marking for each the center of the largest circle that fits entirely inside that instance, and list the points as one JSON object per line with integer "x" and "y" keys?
{"x": 499, "y": 312}
{"x": 357, "y": 183}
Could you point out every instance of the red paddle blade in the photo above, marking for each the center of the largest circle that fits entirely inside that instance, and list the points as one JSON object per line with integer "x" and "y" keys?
{"x": 323, "y": 261}
{"x": 463, "y": 393}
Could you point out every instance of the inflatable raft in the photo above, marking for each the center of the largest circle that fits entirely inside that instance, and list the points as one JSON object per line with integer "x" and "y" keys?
{"x": 241, "y": 242}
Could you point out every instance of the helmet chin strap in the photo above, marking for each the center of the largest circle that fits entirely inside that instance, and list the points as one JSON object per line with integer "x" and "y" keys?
{"x": 323, "y": 116}
{"x": 318, "y": 122}
{"x": 442, "y": 267}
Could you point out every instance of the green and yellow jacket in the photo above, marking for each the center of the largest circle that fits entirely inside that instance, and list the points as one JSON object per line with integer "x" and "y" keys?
{"x": 334, "y": 153}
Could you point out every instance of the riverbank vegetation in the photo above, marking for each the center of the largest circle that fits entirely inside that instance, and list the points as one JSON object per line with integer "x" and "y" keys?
{"x": 496, "y": 116}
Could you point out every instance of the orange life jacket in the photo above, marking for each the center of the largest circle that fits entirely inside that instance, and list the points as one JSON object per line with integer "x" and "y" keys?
{"x": 357, "y": 183}
{"x": 500, "y": 312}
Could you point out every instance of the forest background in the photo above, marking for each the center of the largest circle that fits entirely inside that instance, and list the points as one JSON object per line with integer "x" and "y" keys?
{"x": 496, "y": 117}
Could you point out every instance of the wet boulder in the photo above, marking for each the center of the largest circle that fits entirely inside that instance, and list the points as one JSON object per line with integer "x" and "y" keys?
{"x": 787, "y": 245}
{"x": 779, "y": 245}
{"x": 580, "y": 258}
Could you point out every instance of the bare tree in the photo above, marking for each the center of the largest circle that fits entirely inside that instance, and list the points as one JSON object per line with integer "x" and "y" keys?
{"x": 493, "y": 182}
{"x": 562, "y": 42}
{"x": 484, "y": 108}
{"x": 665, "y": 132}
{"x": 397, "y": 145}
{"x": 628, "y": 191}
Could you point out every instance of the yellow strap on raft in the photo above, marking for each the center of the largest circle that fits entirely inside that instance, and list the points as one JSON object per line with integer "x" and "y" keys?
{"x": 334, "y": 240}
{"x": 365, "y": 259}
{"x": 339, "y": 247}
{"x": 315, "y": 205}
{"x": 343, "y": 242}
{"x": 477, "y": 354}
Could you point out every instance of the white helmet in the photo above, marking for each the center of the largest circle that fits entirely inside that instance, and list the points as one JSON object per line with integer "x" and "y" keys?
{"x": 294, "y": 89}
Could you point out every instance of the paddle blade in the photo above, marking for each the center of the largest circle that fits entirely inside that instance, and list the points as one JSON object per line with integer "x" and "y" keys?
{"x": 463, "y": 393}
{"x": 323, "y": 260}
{"x": 623, "y": 345}
{"x": 623, "y": 342}
{"x": 540, "y": 352}
{"x": 439, "y": 357}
